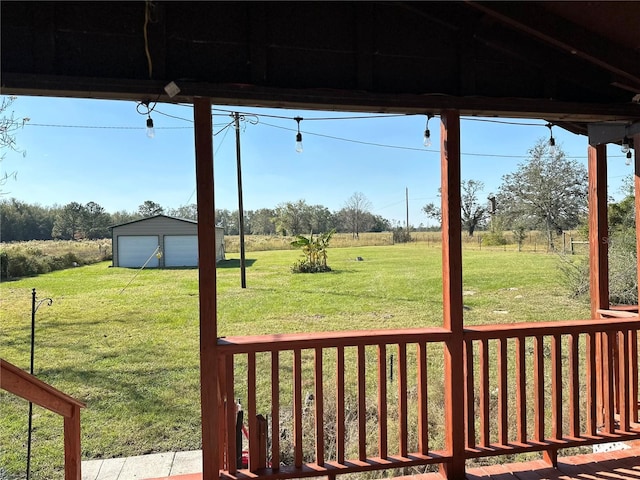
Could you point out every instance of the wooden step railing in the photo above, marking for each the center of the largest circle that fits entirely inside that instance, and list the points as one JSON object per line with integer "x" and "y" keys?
{"x": 528, "y": 387}
{"x": 22, "y": 384}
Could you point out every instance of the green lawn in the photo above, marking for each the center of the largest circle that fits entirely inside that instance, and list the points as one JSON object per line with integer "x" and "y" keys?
{"x": 132, "y": 354}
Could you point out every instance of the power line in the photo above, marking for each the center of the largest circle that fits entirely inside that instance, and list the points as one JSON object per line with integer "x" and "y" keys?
{"x": 106, "y": 127}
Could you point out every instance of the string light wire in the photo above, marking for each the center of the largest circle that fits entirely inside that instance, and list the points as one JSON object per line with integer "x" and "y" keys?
{"x": 332, "y": 137}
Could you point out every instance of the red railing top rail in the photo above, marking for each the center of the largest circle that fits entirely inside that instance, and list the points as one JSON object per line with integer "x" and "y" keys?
{"x": 531, "y": 329}
{"x": 22, "y": 384}
{"x": 290, "y": 341}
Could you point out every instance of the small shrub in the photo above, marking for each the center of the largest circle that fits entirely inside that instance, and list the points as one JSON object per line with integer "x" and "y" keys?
{"x": 401, "y": 235}
{"x": 23, "y": 259}
{"x": 494, "y": 239}
{"x": 304, "y": 266}
{"x": 4, "y": 267}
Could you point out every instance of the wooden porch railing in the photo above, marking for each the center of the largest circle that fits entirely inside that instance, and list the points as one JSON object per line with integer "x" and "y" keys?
{"x": 529, "y": 387}
{"x": 24, "y": 385}
{"x": 544, "y": 384}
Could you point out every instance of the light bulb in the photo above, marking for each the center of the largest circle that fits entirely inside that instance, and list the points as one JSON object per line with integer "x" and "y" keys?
{"x": 628, "y": 160}
{"x": 150, "y": 130}
{"x": 625, "y": 145}
{"x": 299, "y": 142}
{"x": 427, "y": 138}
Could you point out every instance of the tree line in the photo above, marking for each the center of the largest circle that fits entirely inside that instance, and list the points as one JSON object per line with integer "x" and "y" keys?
{"x": 547, "y": 192}
{"x": 21, "y": 221}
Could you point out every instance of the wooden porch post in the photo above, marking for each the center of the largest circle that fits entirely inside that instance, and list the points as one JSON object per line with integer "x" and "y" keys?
{"x": 598, "y": 229}
{"x": 598, "y": 259}
{"x": 207, "y": 289}
{"x": 452, "y": 291}
{"x": 634, "y": 400}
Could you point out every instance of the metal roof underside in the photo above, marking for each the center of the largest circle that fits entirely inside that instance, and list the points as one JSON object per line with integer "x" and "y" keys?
{"x": 571, "y": 63}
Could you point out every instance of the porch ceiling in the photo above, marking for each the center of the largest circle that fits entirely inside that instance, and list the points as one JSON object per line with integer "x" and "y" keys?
{"x": 571, "y": 63}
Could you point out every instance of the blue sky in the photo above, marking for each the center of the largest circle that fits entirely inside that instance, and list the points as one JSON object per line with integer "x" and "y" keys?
{"x": 120, "y": 168}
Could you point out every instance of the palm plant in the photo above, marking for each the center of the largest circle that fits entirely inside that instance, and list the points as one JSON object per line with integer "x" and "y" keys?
{"x": 314, "y": 251}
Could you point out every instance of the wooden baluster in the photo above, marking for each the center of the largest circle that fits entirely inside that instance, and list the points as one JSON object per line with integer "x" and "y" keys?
{"x": 485, "y": 439}
{"x": 608, "y": 338}
{"x": 230, "y": 402}
{"x": 362, "y": 405}
{"x": 423, "y": 412}
{"x": 382, "y": 401}
{"x": 503, "y": 429}
{"x": 633, "y": 359}
{"x": 275, "y": 410}
{"x": 340, "y": 428}
{"x": 592, "y": 385}
{"x": 403, "y": 410}
{"x": 574, "y": 385}
{"x": 623, "y": 382}
{"x": 252, "y": 412}
{"x": 556, "y": 386}
{"x": 297, "y": 407}
{"x": 521, "y": 388}
{"x": 538, "y": 381}
{"x": 470, "y": 417}
{"x": 223, "y": 429}
{"x": 319, "y": 407}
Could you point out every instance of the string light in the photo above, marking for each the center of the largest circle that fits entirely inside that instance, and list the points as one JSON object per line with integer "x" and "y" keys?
{"x": 426, "y": 141}
{"x": 552, "y": 141}
{"x": 625, "y": 146}
{"x": 298, "y": 136}
{"x": 150, "y": 130}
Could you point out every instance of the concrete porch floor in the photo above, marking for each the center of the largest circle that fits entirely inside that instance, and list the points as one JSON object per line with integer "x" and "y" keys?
{"x": 614, "y": 465}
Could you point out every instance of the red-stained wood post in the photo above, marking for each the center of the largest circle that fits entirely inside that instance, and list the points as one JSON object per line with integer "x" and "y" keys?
{"x": 72, "y": 458}
{"x": 634, "y": 400}
{"x": 598, "y": 229}
{"x": 598, "y": 256}
{"x": 207, "y": 290}
{"x": 452, "y": 292}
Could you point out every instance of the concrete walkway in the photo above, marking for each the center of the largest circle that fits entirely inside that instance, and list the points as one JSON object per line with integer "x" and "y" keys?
{"x": 155, "y": 465}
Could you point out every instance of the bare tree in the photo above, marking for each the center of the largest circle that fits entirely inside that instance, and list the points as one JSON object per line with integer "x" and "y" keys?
{"x": 358, "y": 217}
{"x": 9, "y": 125}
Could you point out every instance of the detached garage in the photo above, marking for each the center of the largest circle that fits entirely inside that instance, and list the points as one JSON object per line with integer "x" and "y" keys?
{"x": 159, "y": 241}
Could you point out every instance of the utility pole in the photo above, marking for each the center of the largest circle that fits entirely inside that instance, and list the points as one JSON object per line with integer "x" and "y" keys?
{"x": 243, "y": 275}
{"x": 406, "y": 194}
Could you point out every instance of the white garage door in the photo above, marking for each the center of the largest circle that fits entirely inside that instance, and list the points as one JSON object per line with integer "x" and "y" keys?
{"x": 181, "y": 250}
{"x": 134, "y": 251}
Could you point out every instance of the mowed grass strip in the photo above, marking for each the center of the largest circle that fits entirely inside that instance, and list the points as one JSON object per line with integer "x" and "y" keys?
{"x": 131, "y": 352}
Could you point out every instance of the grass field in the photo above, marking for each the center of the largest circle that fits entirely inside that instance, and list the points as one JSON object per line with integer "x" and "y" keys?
{"x": 127, "y": 343}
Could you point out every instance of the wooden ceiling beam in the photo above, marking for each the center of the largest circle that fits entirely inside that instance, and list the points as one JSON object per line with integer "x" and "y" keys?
{"x": 566, "y": 36}
{"x": 317, "y": 99}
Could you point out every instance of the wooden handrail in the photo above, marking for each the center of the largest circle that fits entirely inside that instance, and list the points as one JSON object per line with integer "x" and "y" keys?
{"x": 352, "y": 338}
{"x": 549, "y": 358}
{"x": 22, "y": 384}
{"x": 566, "y": 327}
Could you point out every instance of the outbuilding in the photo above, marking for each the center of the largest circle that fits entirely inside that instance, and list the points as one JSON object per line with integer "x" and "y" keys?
{"x": 159, "y": 241}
